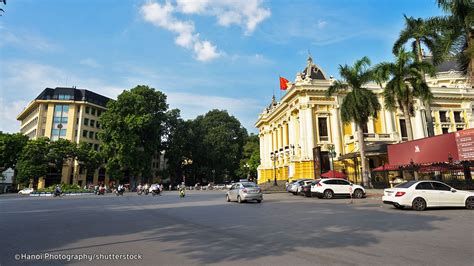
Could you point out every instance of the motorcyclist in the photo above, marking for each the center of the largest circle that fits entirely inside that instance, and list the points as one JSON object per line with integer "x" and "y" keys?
{"x": 139, "y": 189}
{"x": 146, "y": 188}
{"x": 57, "y": 191}
{"x": 182, "y": 189}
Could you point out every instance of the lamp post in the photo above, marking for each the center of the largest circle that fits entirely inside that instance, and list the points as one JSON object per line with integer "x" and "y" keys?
{"x": 273, "y": 157}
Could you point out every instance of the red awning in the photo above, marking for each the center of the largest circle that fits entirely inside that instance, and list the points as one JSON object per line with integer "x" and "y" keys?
{"x": 333, "y": 174}
{"x": 437, "y": 149}
{"x": 386, "y": 167}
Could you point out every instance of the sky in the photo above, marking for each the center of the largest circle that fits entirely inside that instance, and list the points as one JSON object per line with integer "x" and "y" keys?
{"x": 203, "y": 54}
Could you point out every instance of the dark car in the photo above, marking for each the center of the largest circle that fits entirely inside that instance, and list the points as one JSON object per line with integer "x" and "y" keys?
{"x": 306, "y": 189}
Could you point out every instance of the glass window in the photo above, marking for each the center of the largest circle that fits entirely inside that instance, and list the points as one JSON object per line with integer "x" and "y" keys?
{"x": 92, "y": 111}
{"x": 86, "y": 121}
{"x": 96, "y": 135}
{"x": 57, "y": 120}
{"x": 64, "y": 120}
{"x": 323, "y": 128}
{"x": 87, "y": 109}
{"x": 91, "y": 134}
{"x": 365, "y": 128}
{"x": 406, "y": 184}
{"x": 442, "y": 116}
{"x": 92, "y": 123}
{"x": 403, "y": 129}
{"x": 58, "y": 108}
{"x": 62, "y": 133}
{"x": 424, "y": 186}
{"x": 445, "y": 130}
{"x": 84, "y": 133}
{"x": 457, "y": 117}
{"x": 343, "y": 182}
{"x": 55, "y": 132}
{"x": 96, "y": 147}
{"x": 97, "y": 124}
{"x": 440, "y": 186}
{"x": 99, "y": 112}
{"x": 65, "y": 108}
{"x": 249, "y": 184}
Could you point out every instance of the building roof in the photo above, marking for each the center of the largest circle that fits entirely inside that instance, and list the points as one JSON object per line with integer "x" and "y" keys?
{"x": 313, "y": 70}
{"x": 449, "y": 64}
{"x": 63, "y": 93}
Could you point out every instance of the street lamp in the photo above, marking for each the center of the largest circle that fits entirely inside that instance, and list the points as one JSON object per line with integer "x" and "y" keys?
{"x": 185, "y": 163}
{"x": 213, "y": 176}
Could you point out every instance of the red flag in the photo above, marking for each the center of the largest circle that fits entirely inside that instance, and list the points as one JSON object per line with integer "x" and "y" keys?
{"x": 283, "y": 84}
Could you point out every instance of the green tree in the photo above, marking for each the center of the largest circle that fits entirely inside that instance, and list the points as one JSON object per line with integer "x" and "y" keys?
{"x": 177, "y": 146}
{"x": 406, "y": 84}
{"x": 11, "y": 146}
{"x": 422, "y": 32}
{"x": 359, "y": 103}
{"x": 250, "y": 157}
{"x": 133, "y": 128}
{"x": 458, "y": 32}
{"x": 219, "y": 140}
{"x": 33, "y": 161}
{"x": 88, "y": 158}
{"x": 60, "y": 151}
{"x": 4, "y": 2}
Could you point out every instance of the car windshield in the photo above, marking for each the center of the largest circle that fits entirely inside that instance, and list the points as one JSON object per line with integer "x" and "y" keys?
{"x": 249, "y": 184}
{"x": 406, "y": 184}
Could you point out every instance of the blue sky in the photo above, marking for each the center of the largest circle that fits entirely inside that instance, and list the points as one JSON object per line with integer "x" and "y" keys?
{"x": 203, "y": 54}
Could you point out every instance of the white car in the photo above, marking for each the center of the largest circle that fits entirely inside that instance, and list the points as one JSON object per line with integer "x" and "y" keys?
{"x": 295, "y": 186}
{"x": 329, "y": 188}
{"x": 420, "y": 195}
{"x": 25, "y": 191}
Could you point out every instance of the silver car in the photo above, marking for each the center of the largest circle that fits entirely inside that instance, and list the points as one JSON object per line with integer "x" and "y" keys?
{"x": 244, "y": 191}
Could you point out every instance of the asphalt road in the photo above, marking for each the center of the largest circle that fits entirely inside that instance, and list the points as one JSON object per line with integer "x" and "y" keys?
{"x": 204, "y": 229}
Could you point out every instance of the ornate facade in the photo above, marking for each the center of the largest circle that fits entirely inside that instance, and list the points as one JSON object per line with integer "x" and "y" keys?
{"x": 302, "y": 135}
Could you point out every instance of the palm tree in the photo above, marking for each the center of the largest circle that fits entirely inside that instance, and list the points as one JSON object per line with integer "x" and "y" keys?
{"x": 422, "y": 31}
{"x": 406, "y": 84}
{"x": 458, "y": 32}
{"x": 359, "y": 104}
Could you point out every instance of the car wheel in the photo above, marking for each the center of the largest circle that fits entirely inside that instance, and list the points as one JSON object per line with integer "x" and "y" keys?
{"x": 419, "y": 204}
{"x": 358, "y": 194}
{"x": 239, "y": 200}
{"x": 470, "y": 203}
{"x": 328, "y": 194}
{"x": 259, "y": 201}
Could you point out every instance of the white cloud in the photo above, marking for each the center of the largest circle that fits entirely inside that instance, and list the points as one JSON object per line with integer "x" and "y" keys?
{"x": 22, "y": 81}
{"x": 247, "y": 14}
{"x": 26, "y": 40}
{"x": 162, "y": 16}
{"x": 322, "y": 24}
{"x": 90, "y": 63}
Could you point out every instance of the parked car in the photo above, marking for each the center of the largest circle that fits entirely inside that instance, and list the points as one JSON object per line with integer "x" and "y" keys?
{"x": 303, "y": 184}
{"x": 306, "y": 191}
{"x": 420, "y": 195}
{"x": 329, "y": 188}
{"x": 295, "y": 186}
{"x": 25, "y": 191}
{"x": 244, "y": 191}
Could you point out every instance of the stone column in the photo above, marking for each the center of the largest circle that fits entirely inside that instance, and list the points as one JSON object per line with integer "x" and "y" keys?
{"x": 418, "y": 125}
{"x": 336, "y": 130}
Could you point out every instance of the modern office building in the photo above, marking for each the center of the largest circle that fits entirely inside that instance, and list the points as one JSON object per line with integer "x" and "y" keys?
{"x": 68, "y": 113}
{"x": 302, "y": 133}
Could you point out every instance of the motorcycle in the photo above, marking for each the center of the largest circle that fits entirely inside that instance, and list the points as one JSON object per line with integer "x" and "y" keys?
{"x": 101, "y": 191}
{"x": 119, "y": 192}
{"x": 182, "y": 194}
{"x": 139, "y": 191}
{"x": 57, "y": 193}
{"x": 155, "y": 191}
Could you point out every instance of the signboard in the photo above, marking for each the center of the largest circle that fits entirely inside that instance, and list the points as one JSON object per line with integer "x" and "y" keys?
{"x": 427, "y": 150}
{"x": 465, "y": 144}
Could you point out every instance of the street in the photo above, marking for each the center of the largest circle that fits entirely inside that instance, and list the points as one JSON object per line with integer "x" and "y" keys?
{"x": 203, "y": 228}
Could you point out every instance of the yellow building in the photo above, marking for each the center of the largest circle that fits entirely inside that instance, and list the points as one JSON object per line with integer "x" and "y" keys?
{"x": 68, "y": 113}
{"x": 303, "y": 132}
